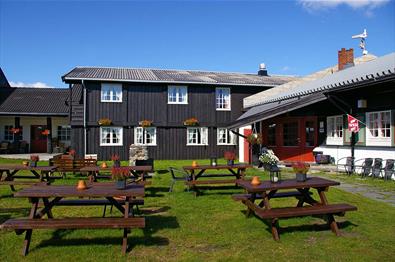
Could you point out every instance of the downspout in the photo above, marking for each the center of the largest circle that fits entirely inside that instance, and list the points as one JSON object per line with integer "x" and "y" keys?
{"x": 84, "y": 97}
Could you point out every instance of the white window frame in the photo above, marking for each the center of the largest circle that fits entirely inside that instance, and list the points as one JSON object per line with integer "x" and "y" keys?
{"x": 230, "y": 137}
{"x": 144, "y": 131}
{"x": 378, "y": 140}
{"x": 218, "y": 100}
{"x": 332, "y": 128}
{"x": 111, "y": 128}
{"x": 7, "y": 134}
{"x": 178, "y": 94}
{"x": 203, "y": 136}
{"x": 67, "y": 131}
{"x": 115, "y": 90}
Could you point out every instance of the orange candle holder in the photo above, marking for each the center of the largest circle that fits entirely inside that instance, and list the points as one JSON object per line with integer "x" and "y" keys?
{"x": 81, "y": 185}
{"x": 194, "y": 164}
{"x": 255, "y": 181}
{"x": 104, "y": 165}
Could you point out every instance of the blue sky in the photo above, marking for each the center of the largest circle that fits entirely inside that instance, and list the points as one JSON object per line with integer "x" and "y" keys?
{"x": 42, "y": 40}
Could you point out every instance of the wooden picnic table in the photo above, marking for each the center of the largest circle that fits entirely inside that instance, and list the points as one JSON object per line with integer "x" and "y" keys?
{"x": 138, "y": 173}
{"x": 237, "y": 171}
{"x": 301, "y": 190}
{"x": 52, "y": 196}
{"x": 11, "y": 170}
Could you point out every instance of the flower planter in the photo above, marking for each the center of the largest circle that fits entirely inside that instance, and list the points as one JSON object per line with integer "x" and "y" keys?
{"x": 301, "y": 177}
{"x": 120, "y": 184}
{"x": 231, "y": 162}
{"x": 117, "y": 163}
{"x": 33, "y": 163}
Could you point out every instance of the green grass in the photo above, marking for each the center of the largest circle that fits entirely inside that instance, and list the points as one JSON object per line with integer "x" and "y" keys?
{"x": 211, "y": 227}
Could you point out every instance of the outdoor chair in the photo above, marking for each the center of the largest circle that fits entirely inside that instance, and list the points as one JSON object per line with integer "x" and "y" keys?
{"x": 177, "y": 175}
{"x": 377, "y": 167}
{"x": 366, "y": 167}
{"x": 4, "y": 147}
{"x": 389, "y": 169}
{"x": 347, "y": 165}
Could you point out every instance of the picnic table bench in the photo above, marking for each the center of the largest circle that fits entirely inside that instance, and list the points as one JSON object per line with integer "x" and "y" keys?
{"x": 72, "y": 165}
{"x": 196, "y": 173}
{"x": 268, "y": 190}
{"x": 138, "y": 173}
{"x": 53, "y": 196}
{"x": 11, "y": 173}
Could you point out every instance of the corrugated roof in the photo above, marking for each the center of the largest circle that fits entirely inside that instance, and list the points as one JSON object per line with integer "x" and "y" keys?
{"x": 173, "y": 76}
{"x": 367, "y": 67}
{"x": 34, "y": 101}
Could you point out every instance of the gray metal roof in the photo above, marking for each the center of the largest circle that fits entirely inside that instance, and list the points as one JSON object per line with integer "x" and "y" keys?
{"x": 172, "y": 76}
{"x": 34, "y": 101}
{"x": 370, "y": 70}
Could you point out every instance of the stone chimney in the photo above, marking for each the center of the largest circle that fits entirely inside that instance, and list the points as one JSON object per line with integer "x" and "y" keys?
{"x": 345, "y": 58}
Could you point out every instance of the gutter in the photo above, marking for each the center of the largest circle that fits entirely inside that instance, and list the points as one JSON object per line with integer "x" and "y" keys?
{"x": 33, "y": 114}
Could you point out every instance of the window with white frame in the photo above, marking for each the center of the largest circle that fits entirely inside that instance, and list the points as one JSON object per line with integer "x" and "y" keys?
{"x": 145, "y": 136}
{"x": 177, "y": 95}
{"x": 225, "y": 137}
{"x": 334, "y": 130}
{"x": 8, "y": 133}
{"x": 111, "y": 136}
{"x": 378, "y": 127}
{"x": 111, "y": 92}
{"x": 64, "y": 133}
{"x": 197, "y": 136}
{"x": 222, "y": 98}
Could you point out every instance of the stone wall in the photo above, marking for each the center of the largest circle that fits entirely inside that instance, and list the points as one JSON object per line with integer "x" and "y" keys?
{"x": 137, "y": 152}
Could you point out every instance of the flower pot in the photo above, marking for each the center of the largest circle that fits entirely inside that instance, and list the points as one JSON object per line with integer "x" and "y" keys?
{"x": 120, "y": 184}
{"x": 117, "y": 163}
{"x": 301, "y": 177}
{"x": 231, "y": 162}
{"x": 33, "y": 163}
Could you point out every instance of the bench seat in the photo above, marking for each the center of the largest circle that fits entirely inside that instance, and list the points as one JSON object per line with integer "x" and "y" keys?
{"x": 208, "y": 182}
{"x": 288, "y": 212}
{"x": 73, "y": 223}
{"x": 96, "y": 202}
{"x": 241, "y": 197}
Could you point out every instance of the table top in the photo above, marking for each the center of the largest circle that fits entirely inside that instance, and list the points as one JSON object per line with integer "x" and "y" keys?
{"x": 240, "y": 165}
{"x": 22, "y": 167}
{"x": 314, "y": 182}
{"x": 98, "y": 168}
{"x": 93, "y": 190}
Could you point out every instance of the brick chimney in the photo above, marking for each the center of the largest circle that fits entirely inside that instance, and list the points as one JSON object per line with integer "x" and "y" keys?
{"x": 345, "y": 58}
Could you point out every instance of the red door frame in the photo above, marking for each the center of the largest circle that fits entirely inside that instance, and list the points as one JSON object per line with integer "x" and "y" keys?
{"x": 301, "y": 152}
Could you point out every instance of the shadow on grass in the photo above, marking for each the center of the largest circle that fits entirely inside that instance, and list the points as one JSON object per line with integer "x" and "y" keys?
{"x": 152, "y": 225}
{"x": 212, "y": 190}
{"x": 153, "y": 191}
{"x": 162, "y": 171}
{"x": 7, "y": 213}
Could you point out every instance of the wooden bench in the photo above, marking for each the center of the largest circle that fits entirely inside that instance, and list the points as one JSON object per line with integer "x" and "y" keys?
{"x": 241, "y": 197}
{"x": 12, "y": 184}
{"x": 74, "y": 223}
{"x": 208, "y": 182}
{"x": 72, "y": 165}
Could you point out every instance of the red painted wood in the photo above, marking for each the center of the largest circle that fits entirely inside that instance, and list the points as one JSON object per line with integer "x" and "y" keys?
{"x": 38, "y": 142}
{"x": 247, "y": 153}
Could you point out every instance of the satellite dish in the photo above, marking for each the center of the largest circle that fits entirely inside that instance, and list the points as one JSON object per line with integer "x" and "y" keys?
{"x": 362, "y": 44}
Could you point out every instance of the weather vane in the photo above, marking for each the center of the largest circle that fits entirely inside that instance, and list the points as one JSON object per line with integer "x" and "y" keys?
{"x": 362, "y": 44}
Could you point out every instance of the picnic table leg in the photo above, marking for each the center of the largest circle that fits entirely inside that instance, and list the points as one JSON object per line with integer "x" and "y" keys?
{"x": 274, "y": 225}
{"x": 332, "y": 223}
{"x": 46, "y": 204}
{"x": 9, "y": 177}
{"x": 29, "y": 232}
{"x": 125, "y": 230}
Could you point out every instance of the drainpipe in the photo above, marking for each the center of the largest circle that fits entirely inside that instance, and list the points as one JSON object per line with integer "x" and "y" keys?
{"x": 84, "y": 94}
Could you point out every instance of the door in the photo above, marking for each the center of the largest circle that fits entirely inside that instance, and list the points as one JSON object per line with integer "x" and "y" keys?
{"x": 38, "y": 141}
{"x": 247, "y": 152}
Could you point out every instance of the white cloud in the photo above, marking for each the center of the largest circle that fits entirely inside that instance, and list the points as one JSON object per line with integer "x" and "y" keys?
{"x": 285, "y": 68}
{"x": 36, "y": 84}
{"x": 367, "y": 5}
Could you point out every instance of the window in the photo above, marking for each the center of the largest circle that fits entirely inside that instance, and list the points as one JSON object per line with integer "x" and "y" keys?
{"x": 290, "y": 134}
{"x": 310, "y": 133}
{"x": 177, "y": 95}
{"x": 111, "y": 136}
{"x": 145, "y": 136}
{"x": 225, "y": 137}
{"x": 378, "y": 128}
{"x": 64, "y": 133}
{"x": 111, "y": 93}
{"x": 271, "y": 135}
{"x": 197, "y": 136}
{"x": 9, "y": 134}
{"x": 222, "y": 98}
{"x": 334, "y": 130}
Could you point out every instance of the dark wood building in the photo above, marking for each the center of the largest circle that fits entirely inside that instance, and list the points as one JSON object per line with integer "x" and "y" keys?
{"x": 167, "y": 98}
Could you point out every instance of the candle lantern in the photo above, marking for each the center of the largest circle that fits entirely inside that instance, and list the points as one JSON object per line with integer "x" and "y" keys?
{"x": 275, "y": 174}
{"x": 213, "y": 161}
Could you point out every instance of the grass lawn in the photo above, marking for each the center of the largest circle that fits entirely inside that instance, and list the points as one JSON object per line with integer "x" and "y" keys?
{"x": 211, "y": 227}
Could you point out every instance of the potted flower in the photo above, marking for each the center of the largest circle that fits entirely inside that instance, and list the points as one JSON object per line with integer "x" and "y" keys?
{"x": 46, "y": 132}
{"x": 119, "y": 174}
{"x": 269, "y": 159}
{"x": 301, "y": 168}
{"x": 104, "y": 122}
{"x": 230, "y": 157}
{"x": 191, "y": 122}
{"x": 72, "y": 153}
{"x": 254, "y": 139}
{"x": 15, "y": 130}
{"x": 145, "y": 123}
{"x": 116, "y": 162}
{"x": 33, "y": 160}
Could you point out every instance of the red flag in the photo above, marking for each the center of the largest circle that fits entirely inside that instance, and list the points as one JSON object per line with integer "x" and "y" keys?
{"x": 353, "y": 125}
